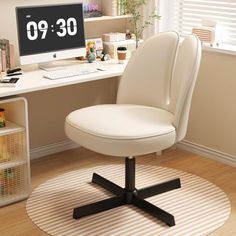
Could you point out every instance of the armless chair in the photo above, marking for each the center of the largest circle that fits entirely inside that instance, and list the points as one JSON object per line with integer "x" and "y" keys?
{"x": 151, "y": 114}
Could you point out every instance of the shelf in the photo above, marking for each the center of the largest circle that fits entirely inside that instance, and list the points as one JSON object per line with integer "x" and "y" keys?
{"x": 11, "y": 128}
{"x": 11, "y": 164}
{"x": 12, "y": 198}
{"x": 104, "y": 18}
{"x": 14, "y": 152}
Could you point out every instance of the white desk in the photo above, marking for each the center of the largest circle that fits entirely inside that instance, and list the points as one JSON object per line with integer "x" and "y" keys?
{"x": 17, "y": 112}
{"x": 34, "y": 81}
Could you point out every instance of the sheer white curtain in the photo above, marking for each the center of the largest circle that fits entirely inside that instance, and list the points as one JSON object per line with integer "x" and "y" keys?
{"x": 167, "y": 13}
{"x": 147, "y": 11}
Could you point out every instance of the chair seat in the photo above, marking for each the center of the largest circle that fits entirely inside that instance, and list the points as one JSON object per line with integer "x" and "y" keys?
{"x": 116, "y": 129}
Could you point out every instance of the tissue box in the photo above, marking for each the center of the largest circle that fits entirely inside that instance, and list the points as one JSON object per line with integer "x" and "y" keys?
{"x": 113, "y": 37}
{"x": 111, "y": 47}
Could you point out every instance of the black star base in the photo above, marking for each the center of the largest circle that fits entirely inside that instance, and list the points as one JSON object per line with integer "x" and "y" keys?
{"x": 129, "y": 195}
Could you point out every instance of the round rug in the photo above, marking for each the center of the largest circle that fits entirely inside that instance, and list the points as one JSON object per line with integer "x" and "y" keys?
{"x": 199, "y": 206}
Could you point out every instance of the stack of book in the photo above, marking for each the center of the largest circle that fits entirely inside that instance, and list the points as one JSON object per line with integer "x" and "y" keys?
{"x": 6, "y": 55}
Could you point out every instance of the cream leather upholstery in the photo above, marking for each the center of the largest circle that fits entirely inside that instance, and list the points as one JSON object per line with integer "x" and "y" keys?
{"x": 153, "y": 101}
{"x": 122, "y": 130}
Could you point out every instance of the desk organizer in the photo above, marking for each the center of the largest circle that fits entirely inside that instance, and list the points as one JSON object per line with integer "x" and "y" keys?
{"x": 14, "y": 152}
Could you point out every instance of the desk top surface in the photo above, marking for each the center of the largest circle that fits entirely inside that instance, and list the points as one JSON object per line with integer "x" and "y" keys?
{"x": 33, "y": 80}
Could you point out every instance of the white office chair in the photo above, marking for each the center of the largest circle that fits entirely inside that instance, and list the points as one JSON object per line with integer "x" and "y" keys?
{"x": 151, "y": 114}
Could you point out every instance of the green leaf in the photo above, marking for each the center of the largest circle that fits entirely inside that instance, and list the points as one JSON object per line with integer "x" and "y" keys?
{"x": 132, "y": 7}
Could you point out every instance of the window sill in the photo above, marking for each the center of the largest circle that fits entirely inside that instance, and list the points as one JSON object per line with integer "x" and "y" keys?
{"x": 222, "y": 48}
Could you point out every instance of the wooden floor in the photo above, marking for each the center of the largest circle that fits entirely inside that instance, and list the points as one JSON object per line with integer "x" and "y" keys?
{"x": 14, "y": 219}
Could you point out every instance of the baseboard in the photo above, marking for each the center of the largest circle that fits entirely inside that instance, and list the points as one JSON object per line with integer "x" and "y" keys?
{"x": 185, "y": 145}
{"x": 208, "y": 152}
{"x": 52, "y": 148}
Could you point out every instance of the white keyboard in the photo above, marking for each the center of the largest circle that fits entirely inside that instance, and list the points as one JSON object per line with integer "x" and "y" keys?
{"x": 60, "y": 74}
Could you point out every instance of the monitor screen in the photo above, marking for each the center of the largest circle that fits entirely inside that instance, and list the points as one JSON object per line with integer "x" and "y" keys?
{"x": 49, "y": 29}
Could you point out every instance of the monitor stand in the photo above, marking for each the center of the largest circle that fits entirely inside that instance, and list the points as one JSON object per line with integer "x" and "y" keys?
{"x": 50, "y": 66}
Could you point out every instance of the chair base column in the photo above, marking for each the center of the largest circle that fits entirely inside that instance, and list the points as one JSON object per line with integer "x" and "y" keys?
{"x": 129, "y": 195}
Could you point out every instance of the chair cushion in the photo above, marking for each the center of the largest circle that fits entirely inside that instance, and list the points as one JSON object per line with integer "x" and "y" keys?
{"x": 123, "y": 125}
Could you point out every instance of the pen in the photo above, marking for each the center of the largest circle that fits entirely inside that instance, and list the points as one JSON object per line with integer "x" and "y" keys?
{"x": 101, "y": 69}
{"x": 15, "y": 74}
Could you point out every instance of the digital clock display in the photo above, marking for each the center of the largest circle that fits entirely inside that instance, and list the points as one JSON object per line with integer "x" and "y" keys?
{"x": 50, "y": 28}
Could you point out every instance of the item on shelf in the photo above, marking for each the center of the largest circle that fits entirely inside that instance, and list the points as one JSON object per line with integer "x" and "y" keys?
{"x": 113, "y": 37}
{"x": 104, "y": 56}
{"x": 92, "y": 9}
{"x": 7, "y": 55}
{"x": 4, "y": 153}
{"x": 121, "y": 54}
{"x": 128, "y": 34}
{"x": 1, "y": 183}
{"x": 206, "y": 32}
{"x": 5, "y": 46}
{"x": 109, "y": 7}
{"x": 111, "y": 47}
{"x": 12, "y": 57}
{"x": 3, "y": 63}
{"x": 2, "y": 118}
{"x": 9, "y": 181}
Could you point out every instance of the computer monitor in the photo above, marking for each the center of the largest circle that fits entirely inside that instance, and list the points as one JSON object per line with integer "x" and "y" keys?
{"x": 50, "y": 32}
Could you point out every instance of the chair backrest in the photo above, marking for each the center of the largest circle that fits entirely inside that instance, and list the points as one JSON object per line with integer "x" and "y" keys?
{"x": 147, "y": 76}
{"x": 163, "y": 74}
{"x": 183, "y": 82}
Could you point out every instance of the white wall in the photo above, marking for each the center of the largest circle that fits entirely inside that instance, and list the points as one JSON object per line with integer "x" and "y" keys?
{"x": 48, "y": 108}
{"x": 212, "y": 120}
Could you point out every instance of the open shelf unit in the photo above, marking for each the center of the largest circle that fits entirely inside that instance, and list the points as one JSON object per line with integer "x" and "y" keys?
{"x": 14, "y": 152}
{"x": 11, "y": 164}
{"x": 11, "y": 128}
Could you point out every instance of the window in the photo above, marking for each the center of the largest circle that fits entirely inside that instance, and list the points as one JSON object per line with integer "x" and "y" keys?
{"x": 183, "y": 15}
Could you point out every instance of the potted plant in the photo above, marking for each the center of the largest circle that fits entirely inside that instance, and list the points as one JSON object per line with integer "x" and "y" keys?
{"x": 133, "y": 8}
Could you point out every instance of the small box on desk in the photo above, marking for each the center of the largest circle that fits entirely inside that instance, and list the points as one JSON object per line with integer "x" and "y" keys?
{"x": 111, "y": 47}
{"x": 113, "y": 37}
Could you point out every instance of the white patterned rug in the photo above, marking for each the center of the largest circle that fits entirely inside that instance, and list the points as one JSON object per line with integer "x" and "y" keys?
{"x": 199, "y": 206}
